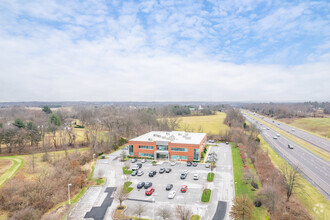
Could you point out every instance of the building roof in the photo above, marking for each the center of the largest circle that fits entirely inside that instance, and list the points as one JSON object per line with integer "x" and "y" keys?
{"x": 179, "y": 137}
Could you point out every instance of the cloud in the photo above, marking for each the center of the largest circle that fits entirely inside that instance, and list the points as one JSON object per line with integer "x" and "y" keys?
{"x": 162, "y": 51}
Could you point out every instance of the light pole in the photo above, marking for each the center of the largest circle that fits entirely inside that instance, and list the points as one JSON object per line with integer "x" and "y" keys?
{"x": 153, "y": 208}
{"x": 69, "y": 192}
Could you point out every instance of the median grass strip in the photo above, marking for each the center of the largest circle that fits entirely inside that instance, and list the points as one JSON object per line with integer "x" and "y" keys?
{"x": 127, "y": 172}
{"x": 17, "y": 164}
{"x": 127, "y": 188}
{"x": 313, "y": 149}
{"x": 314, "y": 201}
{"x": 195, "y": 217}
{"x": 206, "y": 195}
{"x": 210, "y": 177}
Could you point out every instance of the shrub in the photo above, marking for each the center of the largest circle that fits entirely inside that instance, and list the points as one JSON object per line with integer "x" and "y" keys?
{"x": 257, "y": 203}
{"x": 206, "y": 195}
{"x": 210, "y": 177}
{"x": 122, "y": 141}
{"x": 125, "y": 171}
{"x": 79, "y": 126}
{"x": 254, "y": 184}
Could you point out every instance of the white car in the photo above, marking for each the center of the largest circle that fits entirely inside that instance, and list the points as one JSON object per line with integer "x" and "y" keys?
{"x": 140, "y": 173}
{"x": 196, "y": 176}
{"x": 207, "y": 165}
{"x": 171, "y": 194}
{"x": 278, "y": 135}
{"x": 143, "y": 160}
{"x": 136, "y": 167}
{"x": 275, "y": 137}
{"x": 173, "y": 163}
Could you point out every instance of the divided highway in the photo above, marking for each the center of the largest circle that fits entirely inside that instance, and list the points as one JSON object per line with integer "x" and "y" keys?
{"x": 319, "y": 142}
{"x": 315, "y": 168}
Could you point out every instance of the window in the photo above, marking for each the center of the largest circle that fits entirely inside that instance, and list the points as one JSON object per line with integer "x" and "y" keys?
{"x": 162, "y": 147}
{"x": 146, "y": 147}
{"x": 179, "y": 149}
{"x": 146, "y": 155}
{"x": 177, "y": 157}
{"x": 130, "y": 150}
{"x": 196, "y": 154}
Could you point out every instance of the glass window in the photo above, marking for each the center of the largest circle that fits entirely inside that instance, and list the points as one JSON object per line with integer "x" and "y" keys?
{"x": 146, "y": 147}
{"x": 162, "y": 147}
{"x": 196, "y": 154}
{"x": 130, "y": 150}
{"x": 146, "y": 155}
{"x": 179, "y": 149}
{"x": 177, "y": 157}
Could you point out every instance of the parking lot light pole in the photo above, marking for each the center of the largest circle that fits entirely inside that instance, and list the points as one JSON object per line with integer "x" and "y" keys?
{"x": 69, "y": 192}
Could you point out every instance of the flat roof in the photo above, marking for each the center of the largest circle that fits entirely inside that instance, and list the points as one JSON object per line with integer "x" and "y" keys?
{"x": 179, "y": 137}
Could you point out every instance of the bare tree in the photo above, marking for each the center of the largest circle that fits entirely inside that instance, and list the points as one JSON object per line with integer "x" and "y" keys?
{"x": 123, "y": 155}
{"x": 242, "y": 208}
{"x": 183, "y": 213}
{"x": 247, "y": 175}
{"x": 173, "y": 123}
{"x": 270, "y": 197}
{"x": 164, "y": 213}
{"x": 121, "y": 195}
{"x": 139, "y": 209}
{"x": 292, "y": 180}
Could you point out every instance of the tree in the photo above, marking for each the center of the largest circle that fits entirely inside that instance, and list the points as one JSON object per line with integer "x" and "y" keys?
{"x": 242, "y": 208}
{"x": 19, "y": 123}
{"x": 270, "y": 197}
{"x": 33, "y": 132}
{"x": 55, "y": 123}
{"x": 47, "y": 110}
{"x": 292, "y": 180}
{"x": 139, "y": 209}
{"x": 183, "y": 213}
{"x": 123, "y": 155}
{"x": 164, "y": 213}
{"x": 121, "y": 195}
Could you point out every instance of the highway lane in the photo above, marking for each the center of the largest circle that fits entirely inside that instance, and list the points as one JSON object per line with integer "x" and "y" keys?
{"x": 319, "y": 142}
{"x": 315, "y": 168}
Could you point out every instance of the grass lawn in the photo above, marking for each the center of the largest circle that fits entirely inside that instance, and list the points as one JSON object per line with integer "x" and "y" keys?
{"x": 206, "y": 195}
{"x": 316, "y": 204}
{"x": 125, "y": 171}
{"x": 17, "y": 163}
{"x": 195, "y": 217}
{"x": 126, "y": 186}
{"x": 210, "y": 124}
{"x": 318, "y": 126}
{"x": 240, "y": 186}
{"x": 210, "y": 177}
{"x": 299, "y": 141}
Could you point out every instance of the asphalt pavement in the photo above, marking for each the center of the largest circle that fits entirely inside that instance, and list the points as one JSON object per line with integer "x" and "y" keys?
{"x": 313, "y": 167}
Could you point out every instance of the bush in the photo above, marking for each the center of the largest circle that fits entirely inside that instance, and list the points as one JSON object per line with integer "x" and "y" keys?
{"x": 206, "y": 195}
{"x": 210, "y": 177}
{"x": 202, "y": 154}
{"x": 79, "y": 126}
{"x": 254, "y": 184}
{"x": 257, "y": 203}
{"x": 122, "y": 141}
{"x": 125, "y": 171}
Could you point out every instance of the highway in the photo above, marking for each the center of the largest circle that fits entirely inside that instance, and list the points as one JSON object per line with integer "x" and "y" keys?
{"x": 317, "y": 141}
{"x": 313, "y": 167}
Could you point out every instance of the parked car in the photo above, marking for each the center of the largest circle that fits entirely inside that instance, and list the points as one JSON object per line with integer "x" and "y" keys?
{"x": 196, "y": 176}
{"x": 171, "y": 194}
{"x": 147, "y": 185}
{"x": 134, "y": 173}
{"x": 207, "y": 165}
{"x": 135, "y": 167}
{"x": 133, "y": 160}
{"x": 140, "y": 185}
{"x": 161, "y": 170}
{"x": 168, "y": 170}
{"x": 152, "y": 173}
{"x": 189, "y": 164}
{"x": 290, "y": 146}
{"x": 227, "y": 142}
{"x": 183, "y": 176}
{"x": 184, "y": 188}
{"x": 149, "y": 191}
{"x": 195, "y": 164}
{"x": 139, "y": 164}
{"x": 173, "y": 163}
{"x": 143, "y": 160}
{"x": 169, "y": 186}
{"x": 140, "y": 173}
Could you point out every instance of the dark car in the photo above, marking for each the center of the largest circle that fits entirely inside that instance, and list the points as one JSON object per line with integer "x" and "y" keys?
{"x": 183, "y": 176}
{"x": 139, "y": 164}
{"x": 140, "y": 185}
{"x": 290, "y": 146}
{"x": 134, "y": 173}
{"x": 195, "y": 164}
{"x": 169, "y": 186}
{"x": 152, "y": 173}
{"x": 189, "y": 164}
{"x": 168, "y": 170}
{"x": 162, "y": 170}
{"x": 133, "y": 160}
{"x": 147, "y": 185}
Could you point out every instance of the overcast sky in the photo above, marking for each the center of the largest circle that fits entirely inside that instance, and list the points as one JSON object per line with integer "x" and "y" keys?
{"x": 235, "y": 50}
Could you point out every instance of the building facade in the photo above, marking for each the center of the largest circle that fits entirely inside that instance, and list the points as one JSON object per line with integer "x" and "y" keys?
{"x": 174, "y": 145}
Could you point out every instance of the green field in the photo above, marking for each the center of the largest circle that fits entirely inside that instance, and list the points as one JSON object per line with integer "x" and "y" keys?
{"x": 17, "y": 163}
{"x": 318, "y": 126}
{"x": 316, "y": 204}
{"x": 210, "y": 124}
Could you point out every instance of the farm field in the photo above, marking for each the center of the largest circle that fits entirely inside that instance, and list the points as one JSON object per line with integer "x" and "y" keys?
{"x": 319, "y": 126}
{"x": 210, "y": 124}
